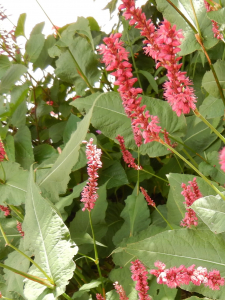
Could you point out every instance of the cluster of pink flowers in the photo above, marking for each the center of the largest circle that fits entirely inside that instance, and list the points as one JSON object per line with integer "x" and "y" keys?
{"x": 119, "y": 289}
{"x": 5, "y": 209}
{"x": 99, "y": 297}
{"x": 116, "y": 57}
{"x": 215, "y": 26}
{"x": 162, "y": 45}
{"x": 50, "y": 102}
{"x": 175, "y": 277}
{"x": 147, "y": 197}
{"x": 2, "y": 151}
{"x": 127, "y": 156}
{"x": 222, "y": 159}
{"x": 191, "y": 193}
{"x": 19, "y": 228}
{"x": 89, "y": 193}
{"x": 139, "y": 274}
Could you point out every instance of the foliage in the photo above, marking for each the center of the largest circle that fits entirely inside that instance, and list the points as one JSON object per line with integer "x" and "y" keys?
{"x": 75, "y": 254}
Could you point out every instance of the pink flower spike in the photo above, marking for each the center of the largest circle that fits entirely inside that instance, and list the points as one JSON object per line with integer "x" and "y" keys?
{"x": 99, "y": 297}
{"x": 6, "y": 210}
{"x": 191, "y": 193}
{"x": 119, "y": 289}
{"x": 127, "y": 156}
{"x": 2, "y": 151}
{"x": 89, "y": 193}
{"x": 222, "y": 159}
{"x": 140, "y": 275}
{"x": 147, "y": 197}
{"x": 19, "y": 228}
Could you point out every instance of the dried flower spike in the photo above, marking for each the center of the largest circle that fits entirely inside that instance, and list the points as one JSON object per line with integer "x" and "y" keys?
{"x": 140, "y": 275}
{"x": 89, "y": 193}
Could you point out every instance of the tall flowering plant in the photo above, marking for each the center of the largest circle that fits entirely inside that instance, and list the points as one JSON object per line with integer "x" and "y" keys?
{"x": 112, "y": 164}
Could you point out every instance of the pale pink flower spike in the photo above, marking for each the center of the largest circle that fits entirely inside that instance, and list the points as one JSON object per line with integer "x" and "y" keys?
{"x": 119, "y": 289}
{"x": 99, "y": 297}
{"x": 89, "y": 193}
{"x": 222, "y": 159}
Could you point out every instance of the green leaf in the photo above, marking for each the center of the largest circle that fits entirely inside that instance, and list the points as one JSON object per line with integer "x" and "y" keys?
{"x": 209, "y": 83}
{"x": 211, "y": 210}
{"x": 111, "y": 6}
{"x": 46, "y": 233}
{"x": 34, "y": 46}
{"x": 175, "y": 205}
{"x": 71, "y": 126}
{"x": 162, "y": 292}
{"x": 54, "y": 183}
{"x": 197, "y": 298}
{"x": 151, "y": 80}
{"x": 91, "y": 285}
{"x": 15, "y": 188}
{"x": 5, "y": 64}
{"x": 44, "y": 59}
{"x": 110, "y": 118}
{"x": 38, "y": 28}
{"x": 56, "y": 131}
{"x": 23, "y": 147}
{"x": 43, "y": 152}
{"x": 10, "y": 148}
{"x": 183, "y": 247}
{"x": 132, "y": 174}
{"x": 85, "y": 57}
{"x": 9, "y": 227}
{"x": 217, "y": 15}
{"x": 93, "y": 24}
{"x": 211, "y": 107}
{"x": 189, "y": 43}
{"x": 11, "y": 76}
{"x": 136, "y": 215}
{"x": 20, "y": 25}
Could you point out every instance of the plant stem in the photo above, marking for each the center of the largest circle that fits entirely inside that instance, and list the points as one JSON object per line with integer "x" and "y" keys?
{"x": 134, "y": 63}
{"x": 105, "y": 151}
{"x": 17, "y": 212}
{"x": 196, "y": 19}
{"x": 194, "y": 168}
{"x": 35, "y": 115}
{"x": 155, "y": 175}
{"x": 79, "y": 71}
{"x": 26, "y": 256}
{"x": 66, "y": 296}
{"x": 31, "y": 277}
{"x": 163, "y": 217}
{"x": 197, "y": 113}
{"x": 189, "y": 156}
{"x": 198, "y": 38}
{"x": 87, "y": 256}
{"x": 183, "y": 16}
{"x": 96, "y": 255}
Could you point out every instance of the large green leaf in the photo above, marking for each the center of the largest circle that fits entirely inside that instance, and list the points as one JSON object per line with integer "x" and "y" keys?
{"x": 136, "y": 215}
{"x": 209, "y": 83}
{"x": 49, "y": 239}
{"x": 44, "y": 59}
{"x": 14, "y": 190}
{"x": 109, "y": 117}
{"x": 161, "y": 292}
{"x": 55, "y": 181}
{"x": 211, "y": 107}
{"x": 66, "y": 68}
{"x": 182, "y": 247}
{"x": 11, "y": 76}
{"x": 20, "y": 25}
{"x": 189, "y": 43}
{"x": 23, "y": 147}
{"x": 217, "y": 15}
{"x": 5, "y": 64}
{"x": 211, "y": 210}
{"x": 34, "y": 46}
{"x": 175, "y": 205}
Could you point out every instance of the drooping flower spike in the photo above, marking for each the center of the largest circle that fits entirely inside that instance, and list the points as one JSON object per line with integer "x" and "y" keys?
{"x": 115, "y": 58}
{"x": 89, "y": 193}
{"x": 191, "y": 193}
{"x": 175, "y": 277}
{"x": 163, "y": 45}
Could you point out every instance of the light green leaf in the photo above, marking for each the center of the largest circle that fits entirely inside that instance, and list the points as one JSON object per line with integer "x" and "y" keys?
{"x": 11, "y": 76}
{"x": 91, "y": 285}
{"x": 110, "y": 118}
{"x": 209, "y": 83}
{"x": 71, "y": 126}
{"x": 10, "y": 148}
{"x": 34, "y": 46}
{"x": 136, "y": 215}
{"x": 5, "y": 64}
{"x": 38, "y": 28}
{"x": 211, "y": 107}
{"x": 93, "y": 24}
{"x": 218, "y": 15}
{"x": 54, "y": 183}
{"x": 211, "y": 210}
{"x": 23, "y": 147}
{"x": 183, "y": 247}
{"x": 44, "y": 59}
{"x": 111, "y": 6}
{"x": 49, "y": 239}
{"x": 20, "y": 25}
{"x": 161, "y": 292}
{"x": 151, "y": 80}
{"x": 15, "y": 188}
{"x": 189, "y": 43}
